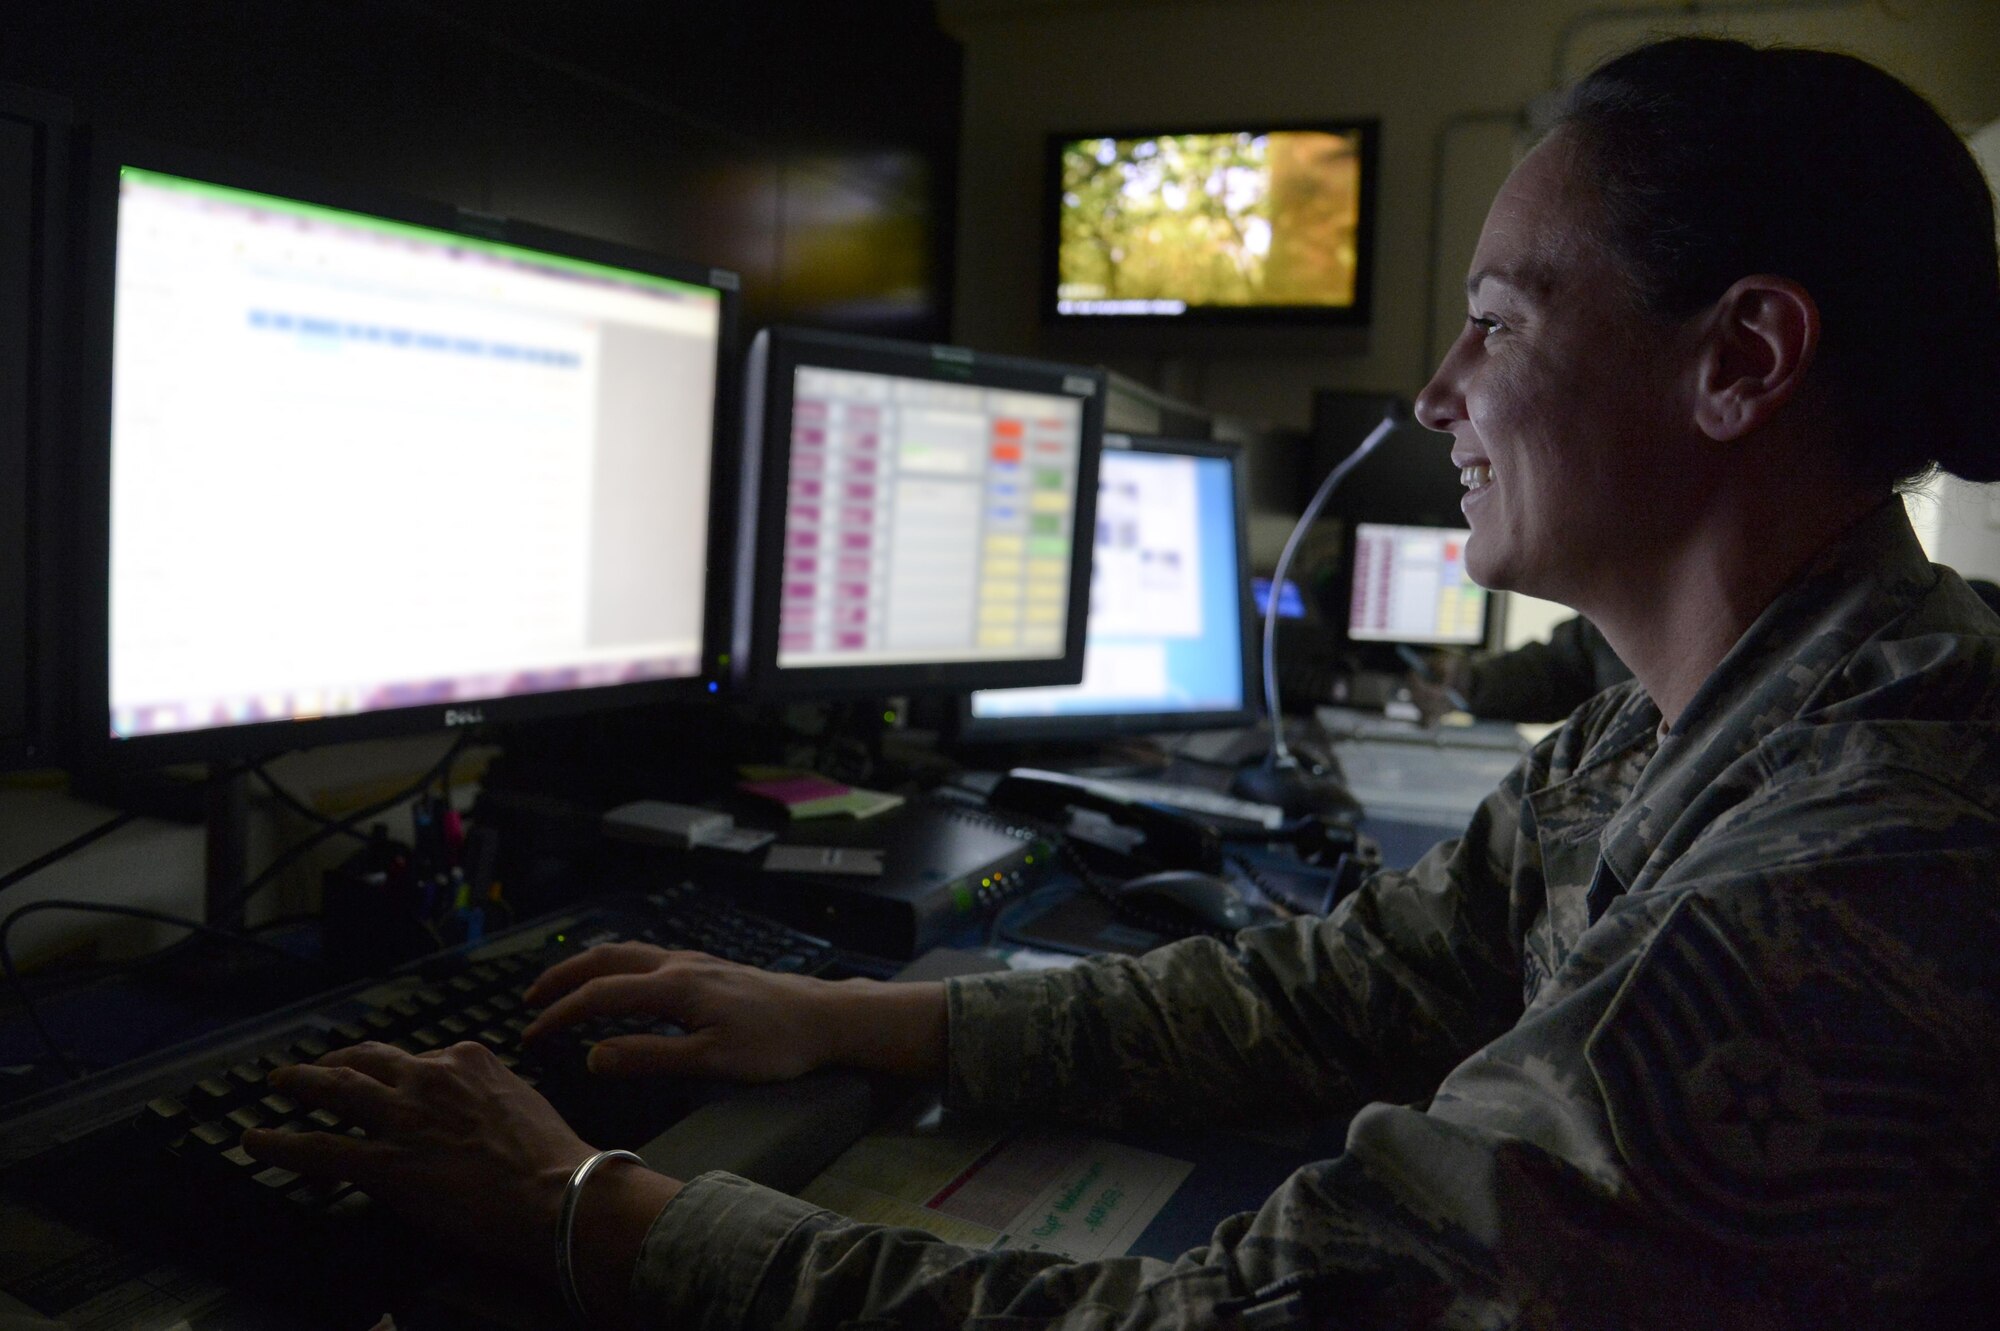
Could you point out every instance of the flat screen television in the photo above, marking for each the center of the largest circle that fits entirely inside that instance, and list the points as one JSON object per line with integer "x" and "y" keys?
{"x": 1247, "y": 224}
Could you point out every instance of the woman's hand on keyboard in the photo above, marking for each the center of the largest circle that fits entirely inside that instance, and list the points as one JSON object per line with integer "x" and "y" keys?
{"x": 739, "y": 1022}
{"x": 469, "y": 1151}
{"x": 454, "y": 1141}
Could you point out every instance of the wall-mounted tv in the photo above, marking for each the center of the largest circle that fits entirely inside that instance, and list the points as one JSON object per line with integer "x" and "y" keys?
{"x": 1245, "y": 225}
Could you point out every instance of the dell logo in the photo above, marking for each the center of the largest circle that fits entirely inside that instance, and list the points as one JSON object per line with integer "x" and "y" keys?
{"x": 464, "y": 716}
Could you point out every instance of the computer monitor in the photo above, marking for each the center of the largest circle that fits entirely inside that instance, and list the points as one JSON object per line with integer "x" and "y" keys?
{"x": 1169, "y": 644}
{"x": 921, "y": 515}
{"x": 365, "y": 465}
{"x": 1410, "y": 586}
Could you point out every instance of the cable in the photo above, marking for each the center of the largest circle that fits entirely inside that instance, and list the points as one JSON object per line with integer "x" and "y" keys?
{"x": 1281, "y": 755}
{"x": 297, "y": 851}
{"x": 69, "y": 1062}
{"x": 67, "y": 848}
{"x": 299, "y": 806}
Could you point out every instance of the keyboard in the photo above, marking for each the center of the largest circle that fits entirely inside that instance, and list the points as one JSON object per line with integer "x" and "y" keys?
{"x": 150, "y": 1156}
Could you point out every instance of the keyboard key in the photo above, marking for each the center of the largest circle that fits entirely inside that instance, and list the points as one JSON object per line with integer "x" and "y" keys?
{"x": 213, "y": 1136}
{"x": 246, "y": 1117}
{"x": 165, "y": 1118}
{"x": 215, "y": 1093}
{"x": 274, "y": 1178}
{"x": 325, "y": 1120}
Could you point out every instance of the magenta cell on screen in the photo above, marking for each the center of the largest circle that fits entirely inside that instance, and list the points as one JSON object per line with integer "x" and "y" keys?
{"x": 797, "y": 618}
{"x": 861, "y": 466}
{"x": 849, "y": 566}
{"x": 854, "y": 591}
{"x": 807, "y": 489}
{"x": 805, "y": 512}
{"x": 807, "y": 462}
{"x": 806, "y": 408}
{"x": 860, "y": 492}
{"x": 863, "y": 443}
{"x": 795, "y": 642}
{"x": 858, "y": 517}
{"x": 802, "y": 566}
{"x": 799, "y": 590}
{"x": 809, "y": 436}
{"x": 801, "y": 540}
{"x": 857, "y": 617}
{"x": 857, "y": 540}
{"x": 850, "y": 642}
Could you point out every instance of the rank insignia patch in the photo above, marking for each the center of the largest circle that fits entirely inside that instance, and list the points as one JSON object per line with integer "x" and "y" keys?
{"x": 1732, "y": 1124}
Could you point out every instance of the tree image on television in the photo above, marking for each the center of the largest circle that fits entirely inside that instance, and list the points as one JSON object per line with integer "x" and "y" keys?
{"x": 1209, "y": 220}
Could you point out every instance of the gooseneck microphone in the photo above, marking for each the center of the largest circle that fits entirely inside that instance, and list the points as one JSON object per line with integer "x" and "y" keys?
{"x": 1280, "y": 779}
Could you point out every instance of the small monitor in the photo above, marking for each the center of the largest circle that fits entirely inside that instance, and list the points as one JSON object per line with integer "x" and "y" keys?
{"x": 1291, "y": 601}
{"x": 1410, "y": 586}
{"x": 374, "y": 467}
{"x": 1169, "y": 645}
{"x": 922, "y": 516}
{"x": 1242, "y": 224}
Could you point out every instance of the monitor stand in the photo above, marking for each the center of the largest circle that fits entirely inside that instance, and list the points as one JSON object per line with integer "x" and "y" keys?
{"x": 227, "y": 823}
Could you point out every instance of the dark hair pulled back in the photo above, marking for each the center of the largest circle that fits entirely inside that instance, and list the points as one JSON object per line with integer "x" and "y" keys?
{"x": 1714, "y": 160}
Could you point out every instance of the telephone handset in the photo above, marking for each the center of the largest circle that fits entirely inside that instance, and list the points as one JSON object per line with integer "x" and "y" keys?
{"x": 1169, "y": 841}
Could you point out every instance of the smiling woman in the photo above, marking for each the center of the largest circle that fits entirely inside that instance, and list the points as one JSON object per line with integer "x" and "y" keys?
{"x": 1696, "y": 1024}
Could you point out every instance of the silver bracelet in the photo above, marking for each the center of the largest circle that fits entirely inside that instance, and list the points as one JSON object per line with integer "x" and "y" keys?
{"x": 566, "y": 1222}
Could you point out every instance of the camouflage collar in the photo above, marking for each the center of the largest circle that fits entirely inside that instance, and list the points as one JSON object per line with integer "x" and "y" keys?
{"x": 1862, "y": 583}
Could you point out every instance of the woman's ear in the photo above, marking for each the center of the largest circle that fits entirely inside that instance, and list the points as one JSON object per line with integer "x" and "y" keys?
{"x": 1760, "y": 339}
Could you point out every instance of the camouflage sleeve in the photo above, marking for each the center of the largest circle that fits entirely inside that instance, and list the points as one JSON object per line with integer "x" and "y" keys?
{"x": 1406, "y": 977}
{"x": 1740, "y": 1106}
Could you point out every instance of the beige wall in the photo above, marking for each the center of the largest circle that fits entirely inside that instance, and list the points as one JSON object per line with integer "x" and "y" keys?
{"x": 1035, "y": 66}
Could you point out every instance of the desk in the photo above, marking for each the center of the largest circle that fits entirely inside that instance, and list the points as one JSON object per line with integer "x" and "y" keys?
{"x": 1419, "y": 786}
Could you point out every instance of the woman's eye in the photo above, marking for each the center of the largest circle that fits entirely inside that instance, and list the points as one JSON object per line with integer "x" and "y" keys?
{"x": 1484, "y": 323}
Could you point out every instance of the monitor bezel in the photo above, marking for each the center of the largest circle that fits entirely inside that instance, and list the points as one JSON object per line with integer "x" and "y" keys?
{"x": 1089, "y": 727}
{"x": 775, "y": 356}
{"x": 106, "y": 155}
{"x": 1359, "y": 315}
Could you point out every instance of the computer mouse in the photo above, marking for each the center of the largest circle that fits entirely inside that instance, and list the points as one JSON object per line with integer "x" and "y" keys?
{"x": 1203, "y": 898}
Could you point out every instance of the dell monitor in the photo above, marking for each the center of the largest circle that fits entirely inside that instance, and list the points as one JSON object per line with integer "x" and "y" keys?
{"x": 918, "y": 517}
{"x": 366, "y": 465}
{"x": 1410, "y": 587}
{"x": 1169, "y": 644}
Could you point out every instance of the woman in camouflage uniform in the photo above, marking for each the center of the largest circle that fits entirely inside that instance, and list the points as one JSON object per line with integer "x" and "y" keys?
{"x": 1700, "y": 1019}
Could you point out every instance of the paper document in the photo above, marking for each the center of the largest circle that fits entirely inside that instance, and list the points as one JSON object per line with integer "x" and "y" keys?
{"x": 1047, "y": 1191}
